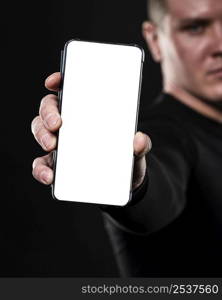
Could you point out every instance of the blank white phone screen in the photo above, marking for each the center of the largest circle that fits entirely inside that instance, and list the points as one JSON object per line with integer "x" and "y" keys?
{"x": 99, "y": 112}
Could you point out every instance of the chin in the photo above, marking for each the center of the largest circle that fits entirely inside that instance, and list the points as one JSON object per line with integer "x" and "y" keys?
{"x": 212, "y": 94}
{"x": 216, "y": 96}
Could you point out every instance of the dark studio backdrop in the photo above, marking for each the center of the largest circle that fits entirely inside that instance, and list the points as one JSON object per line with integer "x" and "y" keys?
{"x": 40, "y": 236}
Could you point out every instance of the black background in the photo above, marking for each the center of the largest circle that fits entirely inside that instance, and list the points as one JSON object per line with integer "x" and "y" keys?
{"x": 40, "y": 236}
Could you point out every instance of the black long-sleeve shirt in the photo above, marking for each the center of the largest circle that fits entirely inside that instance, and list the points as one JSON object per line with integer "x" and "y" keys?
{"x": 174, "y": 225}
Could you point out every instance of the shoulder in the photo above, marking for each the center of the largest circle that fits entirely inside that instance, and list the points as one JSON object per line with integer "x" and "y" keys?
{"x": 166, "y": 110}
{"x": 166, "y": 124}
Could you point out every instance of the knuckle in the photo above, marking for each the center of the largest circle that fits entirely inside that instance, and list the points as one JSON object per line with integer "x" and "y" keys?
{"x": 43, "y": 101}
{"x": 41, "y": 166}
{"x": 43, "y": 111}
{"x": 36, "y": 125}
{"x": 36, "y": 162}
{"x": 47, "y": 140}
{"x": 34, "y": 121}
{"x": 39, "y": 134}
{"x": 36, "y": 172}
{"x": 38, "y": 168}
{"x": 48, "y": 98}
{"x": 48, "y": 105}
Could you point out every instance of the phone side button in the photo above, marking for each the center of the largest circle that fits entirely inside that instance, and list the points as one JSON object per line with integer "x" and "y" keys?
{"x": 54, "y": 158}
{"x": 61, "y": 62}
{"x": 53, "y": 167}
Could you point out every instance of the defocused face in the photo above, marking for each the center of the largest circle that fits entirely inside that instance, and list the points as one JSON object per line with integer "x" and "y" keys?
{"x": 190, "y": 43}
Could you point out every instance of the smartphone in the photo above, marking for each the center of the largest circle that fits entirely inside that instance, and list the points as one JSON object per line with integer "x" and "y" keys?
{"x": 99, "y": 103}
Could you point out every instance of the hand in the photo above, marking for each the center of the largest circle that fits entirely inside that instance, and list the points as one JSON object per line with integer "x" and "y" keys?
{"x": 44, "y": 127}
{"x": 49, "y": 121}
{"x": 141, "y": 145}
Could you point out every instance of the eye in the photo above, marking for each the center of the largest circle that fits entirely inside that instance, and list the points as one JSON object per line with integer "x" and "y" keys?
{"x": 195, "y": 28}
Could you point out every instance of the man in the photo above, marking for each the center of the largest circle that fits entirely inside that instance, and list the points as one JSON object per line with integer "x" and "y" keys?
{"x": 174, "y": 225}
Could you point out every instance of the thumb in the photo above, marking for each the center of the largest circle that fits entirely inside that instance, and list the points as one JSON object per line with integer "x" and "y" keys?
{"x": 141, "y": 144}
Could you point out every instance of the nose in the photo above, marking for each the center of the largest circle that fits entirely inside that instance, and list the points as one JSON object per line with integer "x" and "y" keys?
{"x": 217, "y": 39}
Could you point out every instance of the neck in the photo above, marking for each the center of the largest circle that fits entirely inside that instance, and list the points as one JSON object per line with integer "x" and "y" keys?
{"x": 208, "y": 109}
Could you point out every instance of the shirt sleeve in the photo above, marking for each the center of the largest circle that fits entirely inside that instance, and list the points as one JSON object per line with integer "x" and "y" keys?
{"x": 162, "y": 196}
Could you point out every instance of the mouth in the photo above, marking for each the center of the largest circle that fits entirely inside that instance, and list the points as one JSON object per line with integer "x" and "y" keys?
{"x": 216, "y": 72}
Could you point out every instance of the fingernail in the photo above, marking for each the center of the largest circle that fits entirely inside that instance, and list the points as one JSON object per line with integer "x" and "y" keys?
{"x": 45, "y": 177}
{"x": 149, "y": 144}
{"x": 52, "y": 120}
{"x": 46, "y": 141}
{"x": 140, "y": 136}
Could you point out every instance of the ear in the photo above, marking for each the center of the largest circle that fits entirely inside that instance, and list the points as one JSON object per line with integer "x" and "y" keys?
{"x": 150, "y": 34}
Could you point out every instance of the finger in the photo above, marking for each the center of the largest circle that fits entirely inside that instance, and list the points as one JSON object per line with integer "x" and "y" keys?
{"x": 42, "y": 169}
{"x": 53, "y": 82}
{"x": 44, "y": 137}
{"x": 142, "y": 144}
{"x": 139, "y": 172}
{"x": 49, "y": 112}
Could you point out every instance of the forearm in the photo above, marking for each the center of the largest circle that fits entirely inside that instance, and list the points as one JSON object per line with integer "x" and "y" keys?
{"x": 158, "y": 201}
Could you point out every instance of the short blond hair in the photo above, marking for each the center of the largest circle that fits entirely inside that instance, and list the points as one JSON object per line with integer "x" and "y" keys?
{"x": 156, "y": 10}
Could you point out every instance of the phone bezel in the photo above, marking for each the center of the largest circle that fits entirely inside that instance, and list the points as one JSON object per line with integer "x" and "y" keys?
{"x": 60, "y": 94}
